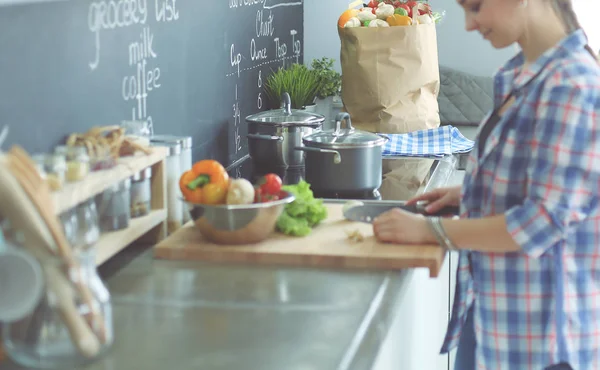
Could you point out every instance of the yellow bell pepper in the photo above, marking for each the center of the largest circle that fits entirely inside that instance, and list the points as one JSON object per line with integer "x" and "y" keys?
{"x": 399, "y": 20}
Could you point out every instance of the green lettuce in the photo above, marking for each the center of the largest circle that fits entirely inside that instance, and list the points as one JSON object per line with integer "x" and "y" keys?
{"x": 304, "y": 213}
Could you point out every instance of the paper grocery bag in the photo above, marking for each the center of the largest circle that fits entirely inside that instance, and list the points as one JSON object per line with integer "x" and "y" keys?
{"x": 390, "y": 84}
{"x": 390, "y": 77}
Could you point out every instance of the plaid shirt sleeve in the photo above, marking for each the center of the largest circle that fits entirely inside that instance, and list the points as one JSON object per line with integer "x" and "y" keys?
{"x": 562, "y": 178}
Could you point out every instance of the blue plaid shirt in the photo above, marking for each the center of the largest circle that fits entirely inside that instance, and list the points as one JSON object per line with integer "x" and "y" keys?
{"x": 540, "y": 167}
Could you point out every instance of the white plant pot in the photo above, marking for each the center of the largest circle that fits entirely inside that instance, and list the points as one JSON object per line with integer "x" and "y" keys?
{"x": 310, "y": 108}
{"x": 324, "y": 108}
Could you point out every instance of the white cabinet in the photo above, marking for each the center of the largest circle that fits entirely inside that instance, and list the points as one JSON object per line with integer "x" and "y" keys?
{"x": 415, "y": 337}
{"x": 453, "y": 257}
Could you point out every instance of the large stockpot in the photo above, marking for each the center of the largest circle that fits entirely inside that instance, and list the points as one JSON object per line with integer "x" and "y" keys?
{"x": 343, "y": 159}
{"x": 273, "y": 135}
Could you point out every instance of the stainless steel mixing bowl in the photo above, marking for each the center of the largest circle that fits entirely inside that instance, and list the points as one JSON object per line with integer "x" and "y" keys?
{"x": 238, "y": 224}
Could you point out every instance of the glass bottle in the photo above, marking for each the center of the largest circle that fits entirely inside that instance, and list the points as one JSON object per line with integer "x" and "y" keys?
{"x": 70, "y": 226}
{"x": 88, "y": 230}
{"x": 72, "y": 326}
{"x": 78, "y": 164}
{"x": 55, "y": 166}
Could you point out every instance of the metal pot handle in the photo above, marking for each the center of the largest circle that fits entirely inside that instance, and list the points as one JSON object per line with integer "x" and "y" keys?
{"x": 265, "y": 137}
{"x": 387, "y": 138}
{"x": 286, "y": 104}
{"x": 337, "y": 158}
{"x": 339, "y": 118}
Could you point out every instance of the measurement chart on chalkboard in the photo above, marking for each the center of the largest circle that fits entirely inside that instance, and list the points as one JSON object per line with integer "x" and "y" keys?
{"x": 188, "y": 67}
{"x": 273, "y": 43}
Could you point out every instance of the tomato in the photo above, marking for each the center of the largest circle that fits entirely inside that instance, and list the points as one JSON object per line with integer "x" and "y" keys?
{"x": 261, "y": 197}
{"x": 397, "y": 4}
{"x": 270, "y": 184}
{"x": 408, "y": 10}
{"x": 427, "y": 10}
{"x": 373, "y": 4}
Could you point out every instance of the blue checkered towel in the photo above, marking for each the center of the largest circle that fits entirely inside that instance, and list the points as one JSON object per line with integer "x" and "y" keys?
{"x": 437, "y": 142}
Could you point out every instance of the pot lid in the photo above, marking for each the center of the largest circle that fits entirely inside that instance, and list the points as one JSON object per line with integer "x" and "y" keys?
{"x": 185, "y": 141}
{"x": 286, "y": 116}
{"x": 347, "y": 137}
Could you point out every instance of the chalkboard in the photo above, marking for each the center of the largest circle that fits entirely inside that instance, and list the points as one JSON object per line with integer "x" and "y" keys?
{"x": 189, "y": 67}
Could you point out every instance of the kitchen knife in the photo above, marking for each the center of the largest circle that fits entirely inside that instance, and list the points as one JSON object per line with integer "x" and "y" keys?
{"x": 361, "y": 212}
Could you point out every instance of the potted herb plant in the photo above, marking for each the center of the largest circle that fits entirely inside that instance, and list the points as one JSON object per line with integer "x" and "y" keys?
{"x": 300, "y": 82}
{"x": 330, "y": 85}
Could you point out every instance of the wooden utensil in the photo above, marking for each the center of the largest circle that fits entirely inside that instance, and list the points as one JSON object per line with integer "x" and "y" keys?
{"x": 23, "y": 215}
{"x": 23, "y": 168}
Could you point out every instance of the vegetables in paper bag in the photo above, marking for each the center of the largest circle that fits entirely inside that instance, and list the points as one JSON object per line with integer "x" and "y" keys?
{"x": 384, "y": 10}
{"x": 346, "y": 16}
{"x": 378, "y": 23}
{"x": 399, "y": 20}
{"x": 424, "y": 19}
{"x": 366, "y": 14}
{"x": 353, "y": 22}
{"x": 375, "y": 13}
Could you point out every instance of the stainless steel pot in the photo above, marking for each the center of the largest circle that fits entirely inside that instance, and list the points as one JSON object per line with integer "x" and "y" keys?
{"x": 343, "y": 159}
{"x": 273, "y": 135}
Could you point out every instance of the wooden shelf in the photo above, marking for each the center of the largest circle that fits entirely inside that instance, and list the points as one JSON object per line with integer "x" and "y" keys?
{"x": 96, "y": 182}
{"x": 111, "y": 243}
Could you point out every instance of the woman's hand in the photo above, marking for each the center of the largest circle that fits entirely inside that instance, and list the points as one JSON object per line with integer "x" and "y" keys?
{"x": 399, "y": 226}
{"x": 438, "y": 198}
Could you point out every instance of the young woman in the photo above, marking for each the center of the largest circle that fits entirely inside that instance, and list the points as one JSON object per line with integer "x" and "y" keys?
{"x": 528, "y": 282}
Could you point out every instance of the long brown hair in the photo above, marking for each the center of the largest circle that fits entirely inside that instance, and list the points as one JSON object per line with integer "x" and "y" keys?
{"x": 564, "y": 10}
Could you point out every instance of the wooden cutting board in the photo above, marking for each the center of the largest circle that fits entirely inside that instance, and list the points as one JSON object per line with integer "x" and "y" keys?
{"x": 328, "y": 246}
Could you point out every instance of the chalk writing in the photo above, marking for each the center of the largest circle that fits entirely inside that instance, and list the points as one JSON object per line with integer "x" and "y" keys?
{"x": 145, "y": 76}
{"x": 264, "y": 27}
{"x": 165, "y": 10}
{"x": 113, "y": 14}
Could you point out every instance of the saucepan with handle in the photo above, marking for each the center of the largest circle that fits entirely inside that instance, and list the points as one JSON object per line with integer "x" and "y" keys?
{"x": 343, "y": 159}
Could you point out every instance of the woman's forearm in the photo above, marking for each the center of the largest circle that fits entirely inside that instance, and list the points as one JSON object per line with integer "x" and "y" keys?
{"x": 487, "y": 234}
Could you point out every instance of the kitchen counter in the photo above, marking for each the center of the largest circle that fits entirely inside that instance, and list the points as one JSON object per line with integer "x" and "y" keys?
{"x": 191, "y": 315}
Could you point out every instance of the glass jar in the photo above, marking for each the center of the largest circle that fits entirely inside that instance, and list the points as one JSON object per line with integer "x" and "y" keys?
{"x": 40, "y": 160}
{"x": 70, "y": 226}
{"x": 137, "y": 131}
{"x": 141, "y": 193}
{"x": 88, "y": 230}
{"x": 114, "y": 206}
{"x": 185, "y": 158}
{"x": 102, "y": 160}
{"x": 173, "y": 163}
{"x": 78, "y": 163}
{"x": 71, "y": 326}
{"x": 61, "y": 150}
{"x": 55, "y": 167}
